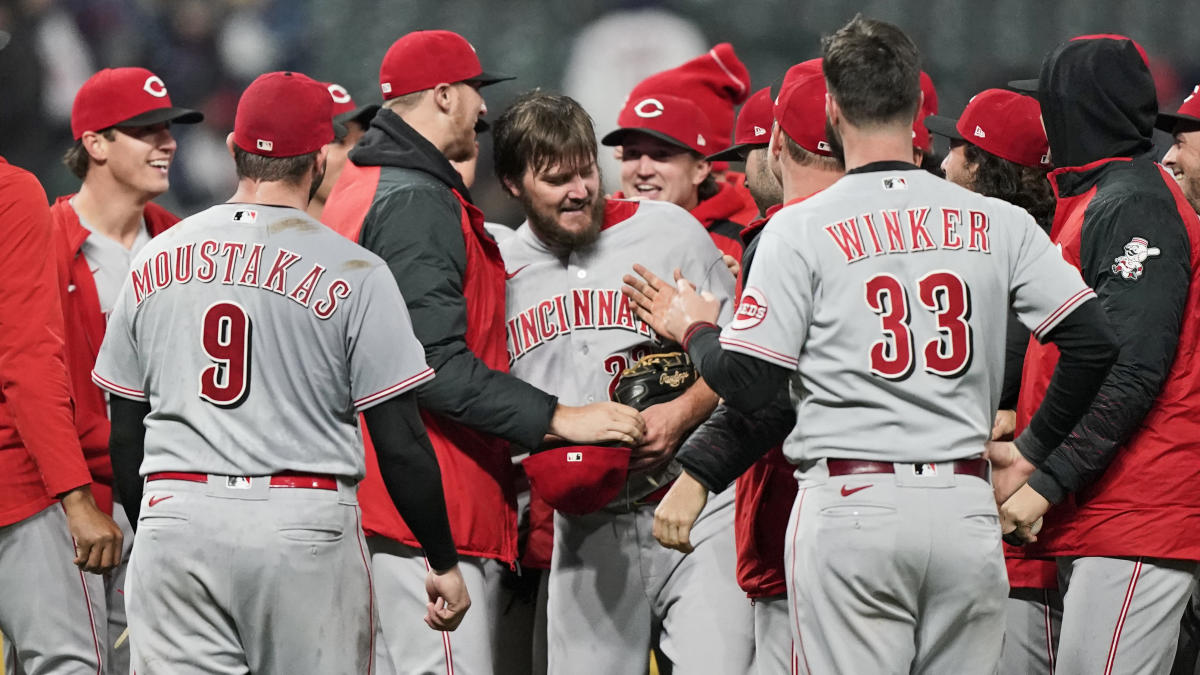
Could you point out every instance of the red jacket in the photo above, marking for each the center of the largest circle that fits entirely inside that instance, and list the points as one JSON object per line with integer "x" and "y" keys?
{"x": 400, "y": 198}
{"x": 85, "y": 325}
{"x": 749, "y": 212}
{"x": 764, "y": 495}
{"x": 40, "y": 455}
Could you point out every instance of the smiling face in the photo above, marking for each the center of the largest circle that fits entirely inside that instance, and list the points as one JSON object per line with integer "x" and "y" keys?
{"x": 1183, "y": 161}
{"x": 563, "y": 204}
{"x": 137, "y": 158}
{"x": 652, "y": 168}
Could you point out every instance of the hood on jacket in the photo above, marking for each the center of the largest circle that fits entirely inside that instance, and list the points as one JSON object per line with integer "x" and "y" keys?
{"x": 390, "y": 141}
{"x": 1098, "y": 100}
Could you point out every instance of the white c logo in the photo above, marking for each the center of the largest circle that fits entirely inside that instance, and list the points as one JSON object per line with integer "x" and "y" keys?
{"x": 339, "y": 93}
{"x": 155, "y": 87}
{"x": 655, "y": 108}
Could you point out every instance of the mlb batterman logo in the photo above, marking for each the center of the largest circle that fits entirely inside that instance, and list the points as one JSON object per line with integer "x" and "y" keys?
{"x": 751, "y": 311}
{"x": 1137, "y": 251}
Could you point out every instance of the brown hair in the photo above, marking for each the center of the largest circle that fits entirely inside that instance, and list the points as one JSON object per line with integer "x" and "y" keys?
{"x": 272, "y": 169}
{"x": 873, "y": 71}
{"x": 77, "y": 158}
{"x": 538, "y": 131}
{"x": 1024, "y": 186}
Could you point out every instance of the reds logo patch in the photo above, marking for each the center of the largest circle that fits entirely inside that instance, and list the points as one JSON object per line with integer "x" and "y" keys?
{"x": 1130, "y": 266}
{"x": 155, "y": 87}
{"x": 339, "y": 93}
{"x": 751, "y": 311}
{"x": 647, "y": 108}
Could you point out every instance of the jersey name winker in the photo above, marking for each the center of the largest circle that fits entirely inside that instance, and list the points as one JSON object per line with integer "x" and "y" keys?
{"x": 212, "y": 261}
{"x": 890, "y": 231}
{"x": 594, "y": 308}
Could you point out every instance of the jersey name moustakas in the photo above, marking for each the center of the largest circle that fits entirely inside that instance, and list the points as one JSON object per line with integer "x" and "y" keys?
{"x": 220, "y": 262}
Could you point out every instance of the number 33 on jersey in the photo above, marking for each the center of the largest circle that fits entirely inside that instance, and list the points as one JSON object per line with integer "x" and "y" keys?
{"x": 891, "y": 303}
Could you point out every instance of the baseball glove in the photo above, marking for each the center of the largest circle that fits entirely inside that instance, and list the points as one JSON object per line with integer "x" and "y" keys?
{"x": 656, "y": 378}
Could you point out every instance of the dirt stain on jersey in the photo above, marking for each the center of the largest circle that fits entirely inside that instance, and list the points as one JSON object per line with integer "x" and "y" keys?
{"x": 299, "y": 224}
{"x": 355, "y": 265}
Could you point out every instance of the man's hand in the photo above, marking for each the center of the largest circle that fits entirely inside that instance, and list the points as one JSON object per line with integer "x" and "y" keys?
{"x": 1004, "y": 425}
{"x": 1010, "y": 469}
{"x": 669, "y": 311}
{"x": 732, "y": 263}
{"x": 97, "y": 538}
{"x": 678, "y": 511}
{"x": 1021, "y": 515}
{"x": 668, "y": 423}
{"x": 448, "y": 599}
{"x": 599, "y": 422}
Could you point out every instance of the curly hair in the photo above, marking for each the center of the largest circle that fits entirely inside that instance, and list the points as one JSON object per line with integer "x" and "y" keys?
{"x": 1025, "y": 186}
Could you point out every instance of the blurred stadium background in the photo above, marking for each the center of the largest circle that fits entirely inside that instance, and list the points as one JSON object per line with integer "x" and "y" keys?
{"x": 595, "y": 50}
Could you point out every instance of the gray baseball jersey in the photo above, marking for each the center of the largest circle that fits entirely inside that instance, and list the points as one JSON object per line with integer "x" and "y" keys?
{"x": 257, "y": 333}
{"x": 887, "y": 294}
{"x": 570, "y": 330}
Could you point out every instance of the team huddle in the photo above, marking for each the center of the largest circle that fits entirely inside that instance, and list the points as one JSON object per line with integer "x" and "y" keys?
{"x": 904, "y": 416}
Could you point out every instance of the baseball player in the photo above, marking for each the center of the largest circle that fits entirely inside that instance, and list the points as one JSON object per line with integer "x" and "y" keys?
{"x": 47, "y": 613}
{"x": 751, "y": 136}
{"x": 670, "y": 122}
{"x": 350, "y": 122}
{"x": 999, "y": 149}
{"x": 877, "y": 302}
{"x": 799, "y": 162}
{"x": 1121, "y": 482}
{"x": 250, "y": 556}
{"x": 1183, "y": 161}
{"x": 400, "y": 197}
{"x": 122, "y": 153}
{"x": 611, "y": 587}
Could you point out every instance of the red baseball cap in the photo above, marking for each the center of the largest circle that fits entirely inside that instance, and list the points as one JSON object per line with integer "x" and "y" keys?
{"x": 344, "y": 109}
{"x": 125, "y": 97}
{"x": 753, "y": 128}
{"x": 800, "y": 107}
{"x": 1187, "y": 118}
{"x": 578, "y": 479}
{"x": 426, "y": 58}
{"x": 675, "y": 120}
{"x": 929, "y": 106}
{"x": 716, "y": 81}
{"x": 1002, "y": 122}
{"x": 283, "y": 114}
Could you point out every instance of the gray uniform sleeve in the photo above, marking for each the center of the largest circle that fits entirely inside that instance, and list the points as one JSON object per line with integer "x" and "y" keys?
{"x": 385, "y": 357}
{"x": 772, "y": 320}
{"x": 418, "y": 232}
{"x": 1045, "y": 287}
{"x": 118, "y": 369}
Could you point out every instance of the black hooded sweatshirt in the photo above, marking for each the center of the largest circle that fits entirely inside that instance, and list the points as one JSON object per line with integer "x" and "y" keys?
{"x": 1099, "y": 106}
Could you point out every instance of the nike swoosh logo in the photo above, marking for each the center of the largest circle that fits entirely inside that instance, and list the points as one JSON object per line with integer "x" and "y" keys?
{"x": 155, "y": 500}
{"x": 509, "y": 275}
{"x": 846, "y": 492}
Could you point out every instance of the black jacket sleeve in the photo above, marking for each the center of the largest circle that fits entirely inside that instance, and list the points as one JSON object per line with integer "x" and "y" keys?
{"x": 730, "y": 441}
{"x": 126, "y": 448}
{"x": 410, "y": 472}
{"x": 417, "y": 230}
{"x": 1016, "y": 342}
{"x": 1146, "y": 315}
{"x": 746, "y": 383}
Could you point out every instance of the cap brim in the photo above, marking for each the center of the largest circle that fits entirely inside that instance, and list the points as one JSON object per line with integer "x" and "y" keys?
{"x": 485, "y": 78}
{"x": 735, "y": 153}
{"x": 362, "y": 115}
{"x": 614, "y": 138}
{"x": 160, "y": 115}
{"x": 1024, "y": 86}
{"x": 943, "y": 126}
{"x": 1169, "y": 122}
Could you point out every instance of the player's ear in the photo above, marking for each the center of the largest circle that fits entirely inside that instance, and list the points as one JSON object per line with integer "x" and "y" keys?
{"x": 95, "y": 145}
{"x": 700, "y": 171}
{"x": 229, "y": 144}
{"x": 775, "y": 144}
{"x": 443, "y": 97}
{"x": 508, "y": 185}
{"x": 832, "y": 112}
